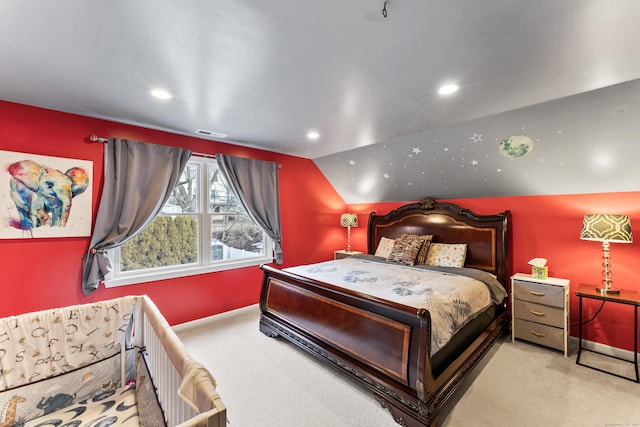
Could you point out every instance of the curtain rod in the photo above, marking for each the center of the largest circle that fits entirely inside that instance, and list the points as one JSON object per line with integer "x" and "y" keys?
{"x": 95, "y": 138}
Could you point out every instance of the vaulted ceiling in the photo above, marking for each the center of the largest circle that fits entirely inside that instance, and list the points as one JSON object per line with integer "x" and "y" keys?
{"x": 265, "y": 73}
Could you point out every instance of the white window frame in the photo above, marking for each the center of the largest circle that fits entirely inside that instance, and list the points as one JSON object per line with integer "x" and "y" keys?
{"x": 204, "y": 263}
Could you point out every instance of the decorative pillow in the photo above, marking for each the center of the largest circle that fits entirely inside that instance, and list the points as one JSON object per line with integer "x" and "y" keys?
{"x": 447, "y": 254}
{"x": 426, "y": 241}
{"x": 405, "y": 251}
{"x": 384, "y": 247}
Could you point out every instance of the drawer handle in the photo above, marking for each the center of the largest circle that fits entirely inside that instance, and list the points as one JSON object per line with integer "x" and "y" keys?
{"x": 538, "y": 294}
{"x": 538, "y": 334}
{"x": 537, "y": 313}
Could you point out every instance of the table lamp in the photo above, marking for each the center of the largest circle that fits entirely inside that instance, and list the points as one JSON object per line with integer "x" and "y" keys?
{"x": 606, "y": 228}
{"x": 349, "y": 220}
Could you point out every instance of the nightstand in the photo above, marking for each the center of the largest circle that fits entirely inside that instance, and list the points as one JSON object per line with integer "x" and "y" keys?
{"x": 540, "y": 311}
{"x": 344, "y": 253}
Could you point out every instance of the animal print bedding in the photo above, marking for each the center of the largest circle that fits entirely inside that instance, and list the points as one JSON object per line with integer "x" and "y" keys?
{"x": 77, "y": 391}
{"x": 116, "y": 407}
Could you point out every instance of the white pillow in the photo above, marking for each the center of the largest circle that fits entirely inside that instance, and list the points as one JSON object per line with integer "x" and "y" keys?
{"x": 447, "y": 254}
{"x": 384, "y": 247}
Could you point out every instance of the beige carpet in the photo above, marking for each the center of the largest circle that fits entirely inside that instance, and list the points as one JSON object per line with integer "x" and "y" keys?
{"x": 266, "y": 382}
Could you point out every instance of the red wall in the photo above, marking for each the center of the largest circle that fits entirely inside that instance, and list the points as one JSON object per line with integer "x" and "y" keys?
{"x": 549, "y": 227}
{"x": 43, "y": 273}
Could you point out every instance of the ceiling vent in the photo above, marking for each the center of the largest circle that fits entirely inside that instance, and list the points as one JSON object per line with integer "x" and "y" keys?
{"x": 210, "y": 133}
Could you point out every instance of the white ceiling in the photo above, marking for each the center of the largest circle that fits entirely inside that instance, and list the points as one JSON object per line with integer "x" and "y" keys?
{"x": 267, "y": 72}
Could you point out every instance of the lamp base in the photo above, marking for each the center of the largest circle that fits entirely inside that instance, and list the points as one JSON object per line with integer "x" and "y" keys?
{"x": 607, "y": 291}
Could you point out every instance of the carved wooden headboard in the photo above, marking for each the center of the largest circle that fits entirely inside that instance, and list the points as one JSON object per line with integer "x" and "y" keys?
{"x": 486, "y": 236}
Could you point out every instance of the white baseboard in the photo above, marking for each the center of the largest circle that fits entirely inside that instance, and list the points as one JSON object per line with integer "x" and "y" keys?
{"x": 603, "y": 348}
{"x": 203, "y": 320}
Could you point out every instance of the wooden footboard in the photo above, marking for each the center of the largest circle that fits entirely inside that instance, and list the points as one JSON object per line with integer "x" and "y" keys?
{"x": 382, "y": 345}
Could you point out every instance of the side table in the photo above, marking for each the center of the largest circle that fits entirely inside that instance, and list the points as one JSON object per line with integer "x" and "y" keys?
{"x": 343, "y": 254}
{"x": 624, "y": 297}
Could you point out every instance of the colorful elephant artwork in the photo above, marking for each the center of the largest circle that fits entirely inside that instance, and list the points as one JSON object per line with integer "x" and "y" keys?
{"x": 43, "y": 195}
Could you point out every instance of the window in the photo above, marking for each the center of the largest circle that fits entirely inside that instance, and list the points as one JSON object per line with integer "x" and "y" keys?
{"x": 202, "y": 228}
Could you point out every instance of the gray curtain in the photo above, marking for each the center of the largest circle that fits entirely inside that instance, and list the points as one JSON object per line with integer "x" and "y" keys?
{"x": 138, "y": 179}
{"x": 255, "y": 184}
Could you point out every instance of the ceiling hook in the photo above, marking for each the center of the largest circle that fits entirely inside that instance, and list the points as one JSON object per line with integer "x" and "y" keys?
{"x": 384, "y": 9}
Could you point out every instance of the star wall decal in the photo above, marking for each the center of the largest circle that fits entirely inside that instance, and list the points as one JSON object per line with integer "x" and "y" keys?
{"x": 476, "y": 137}
{"x": 474, "y": 162}
{"x": 352, "y": 162}
{"x": 416, "y": 150}
{"x": 386, "y": 176}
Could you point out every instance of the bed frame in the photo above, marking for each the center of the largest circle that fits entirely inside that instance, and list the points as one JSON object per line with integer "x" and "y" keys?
{"x": 380, "y": 344}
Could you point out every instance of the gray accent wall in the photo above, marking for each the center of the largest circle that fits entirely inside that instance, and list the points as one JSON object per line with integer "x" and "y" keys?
{"x": 586, "y": 143}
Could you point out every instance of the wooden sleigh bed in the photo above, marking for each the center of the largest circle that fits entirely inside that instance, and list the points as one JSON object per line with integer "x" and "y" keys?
{"x": 384, "y": 345}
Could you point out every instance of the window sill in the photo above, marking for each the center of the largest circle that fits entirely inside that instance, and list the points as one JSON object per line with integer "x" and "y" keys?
{"x": 134, "y": 279}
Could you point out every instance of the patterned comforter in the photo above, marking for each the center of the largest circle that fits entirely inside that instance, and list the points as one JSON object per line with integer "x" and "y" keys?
{"x": 451, "y": 296}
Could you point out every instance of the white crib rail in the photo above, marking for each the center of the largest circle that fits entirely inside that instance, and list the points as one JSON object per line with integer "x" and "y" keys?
{"x": 168, "y": 361}
{"x": 167, "y": 380}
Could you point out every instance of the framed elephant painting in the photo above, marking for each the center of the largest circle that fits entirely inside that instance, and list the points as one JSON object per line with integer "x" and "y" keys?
{"x": 43, "y": 196}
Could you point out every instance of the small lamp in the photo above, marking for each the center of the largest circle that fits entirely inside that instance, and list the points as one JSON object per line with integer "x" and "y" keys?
{"x": 349, "y": 220}
{"x": 606, "y": 228}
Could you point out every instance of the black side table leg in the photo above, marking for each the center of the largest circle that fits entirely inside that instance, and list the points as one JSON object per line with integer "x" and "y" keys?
{"x": 579, "y": 329}
{"x": 635, "y": 342}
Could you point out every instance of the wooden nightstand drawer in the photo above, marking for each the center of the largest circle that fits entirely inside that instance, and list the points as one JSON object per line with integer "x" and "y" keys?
{"x": 540, "y": 334}
{"x": 540, "y": 293}
{"x": 545, "y": 314}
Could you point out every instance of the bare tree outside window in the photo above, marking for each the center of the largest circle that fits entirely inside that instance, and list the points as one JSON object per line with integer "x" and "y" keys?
{"x": 233, "y": 233}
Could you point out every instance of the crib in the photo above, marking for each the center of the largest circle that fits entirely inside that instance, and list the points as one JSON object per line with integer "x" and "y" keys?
{"x": 111, "y": 363}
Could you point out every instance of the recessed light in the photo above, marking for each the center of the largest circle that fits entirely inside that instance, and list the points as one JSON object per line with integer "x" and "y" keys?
{"x": 448, "y": 89}
{"x": 313, "y": 135}
{"x": 160, "y": 94}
